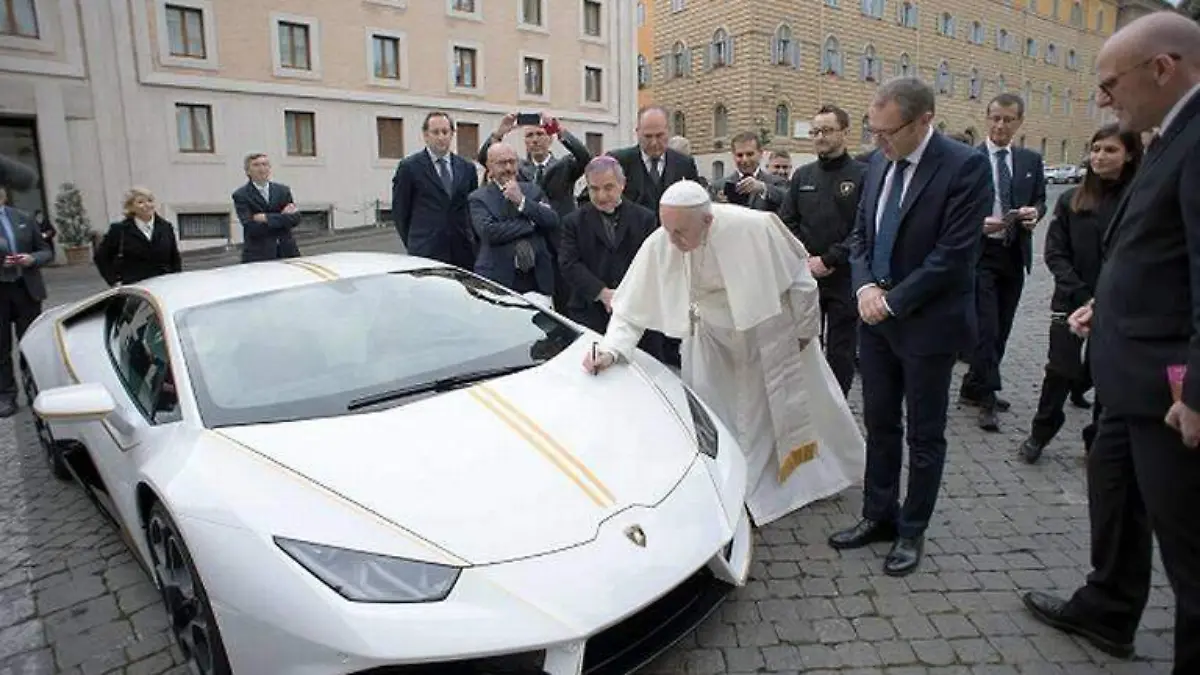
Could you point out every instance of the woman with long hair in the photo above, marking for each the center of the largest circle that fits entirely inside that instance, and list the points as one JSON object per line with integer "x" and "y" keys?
{"x": 1074, "y": 240}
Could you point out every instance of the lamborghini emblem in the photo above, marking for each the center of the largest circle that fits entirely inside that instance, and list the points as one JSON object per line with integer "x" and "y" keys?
{"x": 845, "y": 188}
{"x": 636, "y": 535}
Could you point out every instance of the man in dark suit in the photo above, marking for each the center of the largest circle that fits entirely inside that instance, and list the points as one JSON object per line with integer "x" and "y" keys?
{"x": 1019, "y": 185}
{"x": 1143, "y": 469}
{"x": 556, "y": 176}
{"x": 599, "y": 242}
{"x": 751, "y": 185}
{"x": 267, "y": 212}
{"x": 651, "y": 167}
{"x": 22, "y": 251}
{"x": 429, "y": 198}
{"x": 512, "y": 222}
{"x": 913, "y": 270}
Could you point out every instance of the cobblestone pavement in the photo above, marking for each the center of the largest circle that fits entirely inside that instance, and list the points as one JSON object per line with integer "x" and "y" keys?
{"x": 72, "y": 600}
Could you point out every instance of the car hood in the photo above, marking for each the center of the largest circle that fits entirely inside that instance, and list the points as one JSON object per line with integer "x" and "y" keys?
{"x": 513, "y": 467}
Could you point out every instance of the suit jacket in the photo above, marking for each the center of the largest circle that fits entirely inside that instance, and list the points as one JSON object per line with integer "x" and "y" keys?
{"x": 559, "y": 176}
{"x": 126, "y": 256}
{"x": 590, "y": 262}
{"x": 1028, "y": 189}
{"x": 273, "y": 239}
{"x": 640, "y": 188}
{"x": 932, "y": 289}
{"x": 499, "y": 225}
{"x": 432, "y": 223}
{"x": 28, "y": 239}
{"x": 771, "y": 201}
{"x": 1147, "y": 307}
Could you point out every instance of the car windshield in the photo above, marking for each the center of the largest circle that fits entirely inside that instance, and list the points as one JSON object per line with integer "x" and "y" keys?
{"x": 354, "y": 344}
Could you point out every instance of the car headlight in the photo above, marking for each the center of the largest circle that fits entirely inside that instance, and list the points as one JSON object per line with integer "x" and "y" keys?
{"x": 369, "y": 577}
{"x": 706, "y": 431}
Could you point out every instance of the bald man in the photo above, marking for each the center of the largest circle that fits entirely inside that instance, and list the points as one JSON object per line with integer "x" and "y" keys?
{"x": 1143, "y": 469}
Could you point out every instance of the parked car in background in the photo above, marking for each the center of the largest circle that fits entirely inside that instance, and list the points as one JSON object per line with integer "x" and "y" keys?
{"x": 1063, "y": 174}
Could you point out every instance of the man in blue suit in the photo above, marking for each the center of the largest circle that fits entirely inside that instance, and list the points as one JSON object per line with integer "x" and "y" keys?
{"x": 1019, "y": 202}
{"x": 514, "y": 223}
{"x": 912, "y": 265}
{"x": 429, "y": 197}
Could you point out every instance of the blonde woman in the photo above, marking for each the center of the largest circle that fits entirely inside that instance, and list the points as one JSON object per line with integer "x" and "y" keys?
{"x": 141, "y": 246}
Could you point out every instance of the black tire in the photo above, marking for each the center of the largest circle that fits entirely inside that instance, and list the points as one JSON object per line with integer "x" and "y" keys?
{"x": 52, "y": 448}
{"x": 189, "y": 612}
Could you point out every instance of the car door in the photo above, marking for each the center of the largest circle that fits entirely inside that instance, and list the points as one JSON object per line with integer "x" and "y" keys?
{"x": 144, "y": 389}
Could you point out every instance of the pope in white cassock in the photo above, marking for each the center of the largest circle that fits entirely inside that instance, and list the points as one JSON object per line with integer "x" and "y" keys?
{"x": 733, "y": 284}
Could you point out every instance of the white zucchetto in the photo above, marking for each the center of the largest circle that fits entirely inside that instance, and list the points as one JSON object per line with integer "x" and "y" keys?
{"x": 685, "y": 193}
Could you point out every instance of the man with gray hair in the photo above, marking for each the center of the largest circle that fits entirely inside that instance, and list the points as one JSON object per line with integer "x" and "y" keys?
{"x": 912, "y": 267}
{"x": 734, "y": 285}
{"x": 1143, "y": 329}
{"x": 599, "y": 241}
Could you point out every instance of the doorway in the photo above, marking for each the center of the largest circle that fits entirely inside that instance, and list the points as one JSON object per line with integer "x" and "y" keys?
{"x": 18, "y": 142}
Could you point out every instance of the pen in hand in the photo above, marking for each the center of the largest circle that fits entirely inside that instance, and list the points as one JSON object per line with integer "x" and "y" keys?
{"x": 595, "y": 365}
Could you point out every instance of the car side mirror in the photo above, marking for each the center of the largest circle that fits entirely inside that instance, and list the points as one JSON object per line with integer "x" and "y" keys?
{"x": 87, "y": 402}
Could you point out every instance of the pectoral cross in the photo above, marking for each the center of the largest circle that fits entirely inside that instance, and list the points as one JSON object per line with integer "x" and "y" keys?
{"x": 693, "y": 317}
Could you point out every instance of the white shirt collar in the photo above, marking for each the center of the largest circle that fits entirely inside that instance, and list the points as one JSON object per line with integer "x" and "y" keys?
{"x": 914, "y": 157}
{"x": 434, "y": 156}
{"x": 1178, "y": 107}
{"x": 992, "y": 147}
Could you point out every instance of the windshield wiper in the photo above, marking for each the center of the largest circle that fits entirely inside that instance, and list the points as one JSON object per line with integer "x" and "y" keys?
{"x": 439, "y": 385}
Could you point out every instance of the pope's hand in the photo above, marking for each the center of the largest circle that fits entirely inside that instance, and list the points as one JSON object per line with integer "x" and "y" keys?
{"x": 602, "y": 361}
{"x": 817, "y": 267}
{"x": 1080, "y": 320}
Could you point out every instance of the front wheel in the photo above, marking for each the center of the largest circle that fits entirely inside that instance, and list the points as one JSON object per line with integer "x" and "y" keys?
{"x": 52, "y": 449}
{"x": 188, "y": 610}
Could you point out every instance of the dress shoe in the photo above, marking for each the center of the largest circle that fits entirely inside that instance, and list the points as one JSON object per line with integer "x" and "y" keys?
{"x": 1051, "y": 611}
{"x": 904, "y": 556}
{"x": 1001, "y": 405}
{"x": 867, "y": 531}
{"x": 988, "y": 420}
{"x": 1031, "y": 450}
{"x": 8, "y": 408}
{"x": 1080, "y": 401}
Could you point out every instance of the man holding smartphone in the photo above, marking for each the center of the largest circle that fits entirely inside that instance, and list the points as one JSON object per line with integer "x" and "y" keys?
{"x": 22, "y": 251}
{"x": 1006, "y": 254}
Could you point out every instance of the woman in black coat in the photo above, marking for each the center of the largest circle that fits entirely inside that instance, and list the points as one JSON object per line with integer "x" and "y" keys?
{"x": 139, "y": 247}
{"x": 1073, "y": 253}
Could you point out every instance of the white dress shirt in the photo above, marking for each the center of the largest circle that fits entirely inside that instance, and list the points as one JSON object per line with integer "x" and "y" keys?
{"x": 998, "y": 209}
{"x": 146, "y": 226}
{"x": 914, "y": 158}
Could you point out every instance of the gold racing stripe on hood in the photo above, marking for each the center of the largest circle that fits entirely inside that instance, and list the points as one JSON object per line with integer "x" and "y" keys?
{"x": 320, "y": 270}
{"x": 544, "y": 443}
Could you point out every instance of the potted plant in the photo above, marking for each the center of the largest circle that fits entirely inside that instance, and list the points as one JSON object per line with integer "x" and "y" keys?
{"x": 74, "y": 228}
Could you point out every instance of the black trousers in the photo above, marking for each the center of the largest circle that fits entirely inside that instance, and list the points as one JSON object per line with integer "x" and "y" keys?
{"x": 18, "y": 309}
{"x": 899, "y": 388}
{"x": 999, "y": 280}
{"x": 1066, "y": 374}
{"x": 839, "y": 326}
{"x": 1142, "y": 482}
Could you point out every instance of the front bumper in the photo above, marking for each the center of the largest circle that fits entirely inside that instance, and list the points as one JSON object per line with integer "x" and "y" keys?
{"x": 601, "y": 608}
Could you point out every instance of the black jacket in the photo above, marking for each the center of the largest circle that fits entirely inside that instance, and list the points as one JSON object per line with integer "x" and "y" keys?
{"x": 1073, "y": 247}
{"x": 821, "y": 205}
{"x": 126, "y": 256}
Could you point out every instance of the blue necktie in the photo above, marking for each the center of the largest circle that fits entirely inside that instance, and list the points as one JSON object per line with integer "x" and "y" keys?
{"x": 889, "y": 225}
{"x": 1004, "y": 189}
{"x": 9, "y": 237}
{"x": 444, "y": 173}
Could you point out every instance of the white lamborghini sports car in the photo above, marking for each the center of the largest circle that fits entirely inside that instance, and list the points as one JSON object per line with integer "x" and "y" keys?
{"x": 372, "y": 463}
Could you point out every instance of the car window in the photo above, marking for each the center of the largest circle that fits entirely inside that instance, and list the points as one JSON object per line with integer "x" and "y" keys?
{"x": 310, "y": 351}
{"x": 138, "y": 350}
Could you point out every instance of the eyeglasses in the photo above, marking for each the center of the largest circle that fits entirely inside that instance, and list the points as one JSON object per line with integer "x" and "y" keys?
{"x": 1106, "y": 85}
{"x": 889, "y": 133}
{"x": 824, "y": 131}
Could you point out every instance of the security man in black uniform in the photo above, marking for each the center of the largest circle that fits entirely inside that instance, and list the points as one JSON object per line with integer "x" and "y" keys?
{"x": 819, "y": 209}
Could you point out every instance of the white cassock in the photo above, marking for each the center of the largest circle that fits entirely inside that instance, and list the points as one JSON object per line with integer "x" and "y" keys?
{"x": 741, "y": 303}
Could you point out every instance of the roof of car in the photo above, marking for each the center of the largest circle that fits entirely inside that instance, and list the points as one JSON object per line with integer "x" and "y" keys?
{"x": 201, "y": 287}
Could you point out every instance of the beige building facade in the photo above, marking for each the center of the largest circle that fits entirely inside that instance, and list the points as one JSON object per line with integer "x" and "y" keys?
{"x": 767, "y": 66}
{"x": 172, "y": 94}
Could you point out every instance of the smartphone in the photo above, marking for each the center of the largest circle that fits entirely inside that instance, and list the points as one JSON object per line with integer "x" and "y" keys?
{"x": 1012, "y": 217}
{"x": 526, "y": 119}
